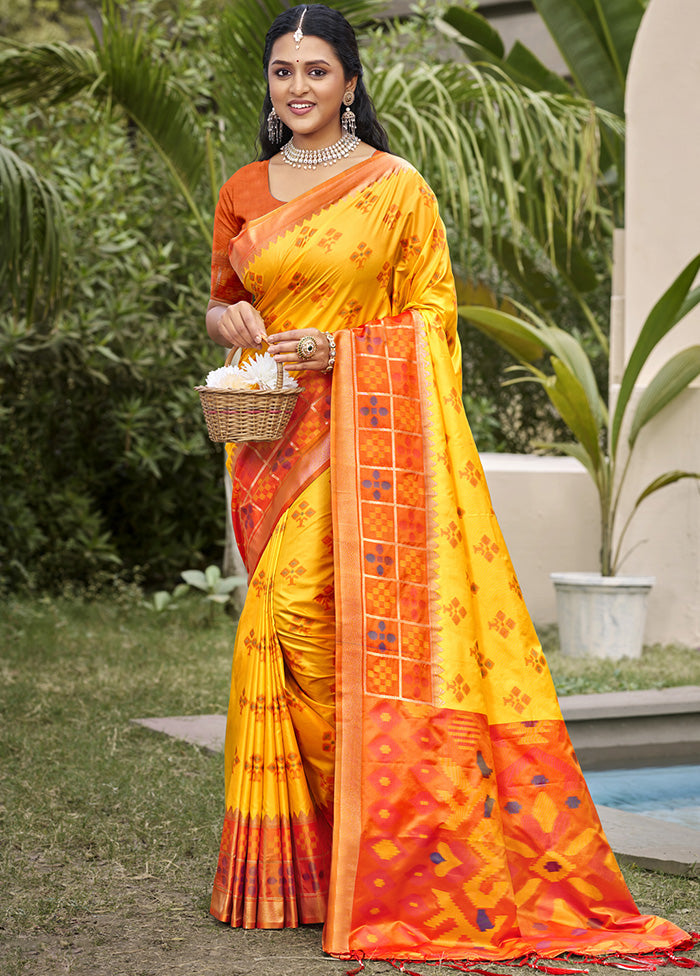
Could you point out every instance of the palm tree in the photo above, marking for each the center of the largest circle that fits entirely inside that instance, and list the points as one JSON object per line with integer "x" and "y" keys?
{"x": 509, "y": 164}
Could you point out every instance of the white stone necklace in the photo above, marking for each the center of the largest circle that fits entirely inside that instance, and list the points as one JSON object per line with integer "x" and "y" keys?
{"x": 311, "y": 158}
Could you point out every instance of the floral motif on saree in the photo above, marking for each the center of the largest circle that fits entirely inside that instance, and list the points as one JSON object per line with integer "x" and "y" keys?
{"x": 388, "y": 683}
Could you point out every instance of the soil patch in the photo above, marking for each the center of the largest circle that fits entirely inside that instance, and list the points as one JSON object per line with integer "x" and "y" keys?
{"x": 162, "y": 932}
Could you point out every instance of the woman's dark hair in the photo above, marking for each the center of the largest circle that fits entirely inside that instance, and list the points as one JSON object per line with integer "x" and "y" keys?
{"x": 332, "y": 27}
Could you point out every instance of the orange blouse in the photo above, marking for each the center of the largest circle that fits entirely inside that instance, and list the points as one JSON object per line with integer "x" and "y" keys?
{"x": 244, "y": 197}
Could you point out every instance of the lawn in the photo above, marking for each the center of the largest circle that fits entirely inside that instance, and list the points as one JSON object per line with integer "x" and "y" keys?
{"x": 109, "y": 833}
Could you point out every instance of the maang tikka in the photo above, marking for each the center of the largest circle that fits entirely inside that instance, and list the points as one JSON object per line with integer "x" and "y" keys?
{"x": 298, "y": 33}
{"x": 274, "y": 127}
{"x": 347, "y": 119}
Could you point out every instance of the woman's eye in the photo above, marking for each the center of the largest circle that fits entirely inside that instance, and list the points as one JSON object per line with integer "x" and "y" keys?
{"x": 317, "y": 72}
{"x": 281, "y": 72}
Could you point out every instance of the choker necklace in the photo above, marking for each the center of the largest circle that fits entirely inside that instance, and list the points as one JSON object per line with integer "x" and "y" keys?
{"x": 310, "y": 158}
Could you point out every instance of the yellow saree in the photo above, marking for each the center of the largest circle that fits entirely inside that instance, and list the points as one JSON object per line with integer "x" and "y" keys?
{"x": 396, "y": 761}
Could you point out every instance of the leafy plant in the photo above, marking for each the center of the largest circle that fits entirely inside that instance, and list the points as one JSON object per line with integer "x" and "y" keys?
{"x": 164, "y": 600}
{"x": 216, "y": 587}
{"x": 103, "y": 448}
{"x": 594, "y": 39}
{"x": 104, "y": 459}
{"x": 574, "y": 393}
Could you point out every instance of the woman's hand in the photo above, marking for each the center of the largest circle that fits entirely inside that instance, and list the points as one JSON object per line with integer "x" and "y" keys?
{"x": 301, "y": 349}
{"x": 240, "y": 325}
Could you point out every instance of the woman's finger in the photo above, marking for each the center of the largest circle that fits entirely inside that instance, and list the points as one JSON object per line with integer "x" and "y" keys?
{"x": 294, "y": 335}
{"x": 243, "y": 325}
{"x": 252, "y": 322}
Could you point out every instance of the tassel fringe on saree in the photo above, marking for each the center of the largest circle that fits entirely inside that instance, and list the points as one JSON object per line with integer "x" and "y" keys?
{"x": 397, "y": 766}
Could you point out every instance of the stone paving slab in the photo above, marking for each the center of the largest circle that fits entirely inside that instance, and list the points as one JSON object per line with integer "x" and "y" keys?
{"x": 206, "y": 731}
{"x": 655, "y": 844}
{"x": 683, "y": 699}
{"x": 628, "y": 729}
{"x": 641, "y": 840}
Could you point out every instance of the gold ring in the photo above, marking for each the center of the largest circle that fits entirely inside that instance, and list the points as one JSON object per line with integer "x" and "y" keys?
{"x": 306, "y": 347}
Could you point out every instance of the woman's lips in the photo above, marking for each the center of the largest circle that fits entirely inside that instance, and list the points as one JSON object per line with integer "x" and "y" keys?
{"x": 300, "y": 108}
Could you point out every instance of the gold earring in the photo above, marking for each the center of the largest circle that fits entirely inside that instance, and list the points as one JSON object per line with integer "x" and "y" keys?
{"x": 274, "y": 127}
{"x": 347, "y": 119}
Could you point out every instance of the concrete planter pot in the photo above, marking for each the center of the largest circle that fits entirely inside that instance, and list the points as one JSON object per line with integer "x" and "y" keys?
{"x": 601, "y": 616}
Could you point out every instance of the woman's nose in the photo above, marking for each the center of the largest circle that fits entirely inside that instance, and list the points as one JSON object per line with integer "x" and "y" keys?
{"x": 299, "y": 84}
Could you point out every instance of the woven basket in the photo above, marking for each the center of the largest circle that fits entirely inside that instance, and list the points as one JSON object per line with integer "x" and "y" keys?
{"x": 247, "y": 415}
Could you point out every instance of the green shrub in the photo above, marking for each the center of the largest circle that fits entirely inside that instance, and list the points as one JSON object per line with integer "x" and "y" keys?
{"x": 104, "y": 459}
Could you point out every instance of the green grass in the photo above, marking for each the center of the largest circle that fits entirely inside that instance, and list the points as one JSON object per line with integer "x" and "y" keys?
{"x": 658, "y": 667}
{"x": 102, "y": 819}
{"x": 90, "y": 802}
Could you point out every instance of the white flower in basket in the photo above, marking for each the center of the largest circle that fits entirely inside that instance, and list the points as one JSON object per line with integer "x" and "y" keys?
{"x": 258, "y": 373}
{"x": 250, "y": 402}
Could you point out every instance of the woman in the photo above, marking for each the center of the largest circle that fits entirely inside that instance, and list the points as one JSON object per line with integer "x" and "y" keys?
{"x": 396, "y": 762}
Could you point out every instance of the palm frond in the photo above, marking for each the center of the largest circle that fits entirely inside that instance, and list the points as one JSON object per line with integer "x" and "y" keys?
{"x": 573, "y": 450}
{"x": 48, "y": 73}
{"x": 672, "y": 379}
{"x": 141, "y": 84}
{"x": 477, "y": 135}
{"x": 596, "y": 41}
{"x": 580, "y": 414}
{"x": 123, "y": 71}
{"x": 30, "y": 247}
{"x": 661, "y": 481}
{"x": 678, "y": 299}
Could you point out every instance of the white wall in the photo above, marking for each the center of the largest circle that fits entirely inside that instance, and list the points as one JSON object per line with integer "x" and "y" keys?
{"x": 548, "y": 511}
{"x": 662, "y": 232}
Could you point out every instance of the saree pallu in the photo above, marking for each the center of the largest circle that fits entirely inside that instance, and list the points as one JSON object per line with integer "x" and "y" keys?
{"x": 397, "y": 765}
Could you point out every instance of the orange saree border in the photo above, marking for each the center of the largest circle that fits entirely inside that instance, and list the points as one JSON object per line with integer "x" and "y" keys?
{"x": 347, "y": 518}
{"x": 268, "y": 476}
{"x": 354, "y": 447}
{"x": 260, "y": 232}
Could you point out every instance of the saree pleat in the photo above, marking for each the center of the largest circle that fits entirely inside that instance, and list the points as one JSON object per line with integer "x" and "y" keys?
{"x": 391, "y": 706}
{"x": 274, "y": 858}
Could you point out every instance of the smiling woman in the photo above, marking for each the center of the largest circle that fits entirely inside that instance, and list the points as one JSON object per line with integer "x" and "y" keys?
{"x": 396, "y": 762}
{"x": 306, "y": 92}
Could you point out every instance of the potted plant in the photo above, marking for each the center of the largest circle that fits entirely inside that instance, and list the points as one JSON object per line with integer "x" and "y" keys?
{"x": 598, "y": 435}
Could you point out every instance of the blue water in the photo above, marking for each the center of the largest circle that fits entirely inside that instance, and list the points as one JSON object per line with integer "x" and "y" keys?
{"x": 663, "y": 792}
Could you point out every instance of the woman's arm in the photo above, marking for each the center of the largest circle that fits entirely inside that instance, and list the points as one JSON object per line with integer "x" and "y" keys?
{"x": 231, "y": 319}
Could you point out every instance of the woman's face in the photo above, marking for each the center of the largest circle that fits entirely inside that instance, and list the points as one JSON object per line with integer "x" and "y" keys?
{"x": 307, "y": 88}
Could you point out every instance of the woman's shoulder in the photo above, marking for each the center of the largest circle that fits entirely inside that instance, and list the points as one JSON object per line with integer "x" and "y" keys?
{"x": 400, "y": 165}
{"x": 405, "y": 172}
{"x": 247, "y": 177}
{"x": 247, "y": 193}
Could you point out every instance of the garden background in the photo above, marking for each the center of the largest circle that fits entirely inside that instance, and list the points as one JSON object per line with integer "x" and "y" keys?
{"x": 118, "y": 125}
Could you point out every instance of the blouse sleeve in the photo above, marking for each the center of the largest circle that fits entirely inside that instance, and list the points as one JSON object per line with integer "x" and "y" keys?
{"x": 226, "y": 286}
